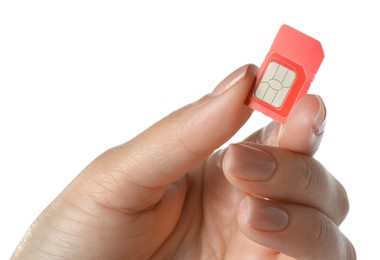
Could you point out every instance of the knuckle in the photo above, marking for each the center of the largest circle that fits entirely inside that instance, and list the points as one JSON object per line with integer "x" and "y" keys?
{"x": 350, "y": 249}
{"x": 328, "y": 238}
{"x": 343, "y": 203}
{"x": 331, "y": 241}
{"x": 345, "y": 249}
{"x": 322, "y": 190}
{"x": 309, "y": 183}
{"x": 324, "y": 230}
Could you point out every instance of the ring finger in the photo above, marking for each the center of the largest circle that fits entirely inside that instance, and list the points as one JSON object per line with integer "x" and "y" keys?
{"x": 295, "y": 230}
{"x": 282, "y": 175}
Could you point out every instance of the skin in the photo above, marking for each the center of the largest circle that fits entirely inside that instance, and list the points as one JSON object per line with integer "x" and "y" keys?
{"x": 167, "y": 195}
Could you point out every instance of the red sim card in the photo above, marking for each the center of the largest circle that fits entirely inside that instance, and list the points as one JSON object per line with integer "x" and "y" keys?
{"x": 286, "y": 73}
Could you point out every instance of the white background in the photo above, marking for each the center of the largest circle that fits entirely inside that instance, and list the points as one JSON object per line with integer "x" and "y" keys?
{"x": 77, "y": 77}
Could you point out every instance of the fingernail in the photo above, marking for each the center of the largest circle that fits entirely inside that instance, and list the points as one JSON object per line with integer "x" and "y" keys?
{"x": 319, "y": 122}
{"x": 265, "y": 215}
{"x": 250, "y": 163}
{"x": 230, "y": 81}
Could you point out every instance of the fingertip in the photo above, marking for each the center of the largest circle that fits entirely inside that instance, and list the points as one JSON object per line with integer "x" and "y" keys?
{"x": 244, "y": 163}
{"x": 245, "y": 71}
{"x": 294, "y": 230}
{"x": 229, "y": 166}
{"x": 319, "y": 121}
{"x": 263, "y": 215}
{"x": 305, "y": 125}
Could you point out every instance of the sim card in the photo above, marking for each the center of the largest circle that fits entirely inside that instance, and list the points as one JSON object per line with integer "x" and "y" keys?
{"x": 286, "y": 73}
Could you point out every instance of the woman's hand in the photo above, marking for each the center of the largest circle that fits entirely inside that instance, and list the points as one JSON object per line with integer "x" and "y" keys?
{"x": 167, "y": 195}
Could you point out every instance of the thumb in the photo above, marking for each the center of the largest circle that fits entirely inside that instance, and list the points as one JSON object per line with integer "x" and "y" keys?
{"x": 138, "y": 172}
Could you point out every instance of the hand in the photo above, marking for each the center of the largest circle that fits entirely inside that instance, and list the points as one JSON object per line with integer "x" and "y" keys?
{"x": 163, "y": 194}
